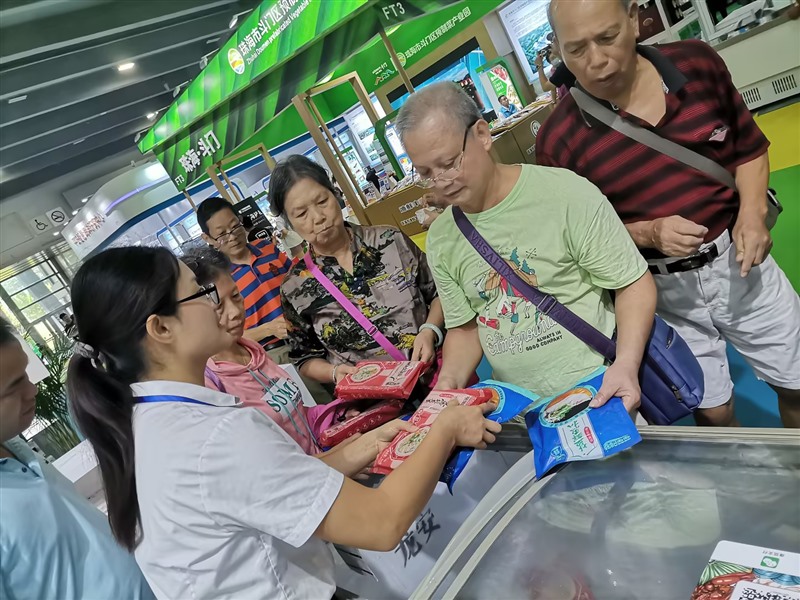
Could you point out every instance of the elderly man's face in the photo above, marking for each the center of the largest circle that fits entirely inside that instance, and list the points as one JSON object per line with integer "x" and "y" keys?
{"x": 597, "y": 39}
{"x": 435, "y": 148}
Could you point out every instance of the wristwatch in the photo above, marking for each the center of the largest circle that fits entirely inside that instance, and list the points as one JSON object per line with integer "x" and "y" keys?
{"x": 434, "y": 329}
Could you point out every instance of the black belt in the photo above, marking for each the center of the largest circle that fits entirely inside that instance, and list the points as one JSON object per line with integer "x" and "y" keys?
{"x": 688, "y": 264}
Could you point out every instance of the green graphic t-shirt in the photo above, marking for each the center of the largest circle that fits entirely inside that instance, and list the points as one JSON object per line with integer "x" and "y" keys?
{"x": 559, "y": 232}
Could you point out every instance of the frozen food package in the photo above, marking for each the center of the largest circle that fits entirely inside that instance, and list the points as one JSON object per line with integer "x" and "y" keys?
{"x": 563, "y": 428}
{"x": 377, "y": 415}
{"x": 376, "y": 380}
{"x": 511, "y": 401}
{"x": 406, "y": 442}
{"x": 742, "y": 572}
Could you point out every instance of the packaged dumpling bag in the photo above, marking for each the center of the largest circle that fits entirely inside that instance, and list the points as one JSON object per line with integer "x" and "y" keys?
{"x": 381, "y": 380}
{"x": 511, "y": 401}
{"x": 563, "y": 428}
{"x": 406, "y": 442}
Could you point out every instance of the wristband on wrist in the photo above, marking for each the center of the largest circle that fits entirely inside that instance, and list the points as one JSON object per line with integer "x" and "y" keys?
{"x": 333, "y": 375}
{"x": 434, "y": 329}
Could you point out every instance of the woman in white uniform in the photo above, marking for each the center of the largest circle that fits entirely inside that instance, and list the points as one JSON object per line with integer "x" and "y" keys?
{"x": 215, "y": 500}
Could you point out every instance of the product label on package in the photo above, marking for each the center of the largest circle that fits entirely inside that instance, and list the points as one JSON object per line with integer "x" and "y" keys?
{"x": 742, "y": 572}
{"x": 564, "y": 428}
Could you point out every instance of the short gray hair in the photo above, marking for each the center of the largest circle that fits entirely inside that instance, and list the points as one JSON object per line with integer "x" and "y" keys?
{"x": 626, "y": 5}
{"x": 446, "y": 98}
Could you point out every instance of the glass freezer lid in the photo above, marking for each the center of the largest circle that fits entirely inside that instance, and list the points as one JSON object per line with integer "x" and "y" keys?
{"x": 639, "y": 525}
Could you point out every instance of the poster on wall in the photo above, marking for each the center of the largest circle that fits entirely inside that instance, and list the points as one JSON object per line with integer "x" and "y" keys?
{"x": 498, "y": 79}
{"x": 525, "y": 21}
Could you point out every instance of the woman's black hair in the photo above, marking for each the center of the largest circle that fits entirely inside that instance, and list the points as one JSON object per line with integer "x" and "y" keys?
{"x": 287, "y": 173}
{"x": 207, "y": 264}
{"x": 113, "y": 294}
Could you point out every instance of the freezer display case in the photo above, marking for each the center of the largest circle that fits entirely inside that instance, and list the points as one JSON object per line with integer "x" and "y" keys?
{"x": 640, "y": 525}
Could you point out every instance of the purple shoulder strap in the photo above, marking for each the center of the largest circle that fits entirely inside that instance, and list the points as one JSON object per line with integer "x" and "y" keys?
{"x": 214, "y": 378}
{"x": 546, "y": 303}
{"x": 359, "y": 317}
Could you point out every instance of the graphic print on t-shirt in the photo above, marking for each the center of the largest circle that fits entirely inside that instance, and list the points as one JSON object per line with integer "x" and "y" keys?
{"x": 515, "y": 324}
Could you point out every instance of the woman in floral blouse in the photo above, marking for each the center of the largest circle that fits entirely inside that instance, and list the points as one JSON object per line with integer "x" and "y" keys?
{"x": 383, "y": 273}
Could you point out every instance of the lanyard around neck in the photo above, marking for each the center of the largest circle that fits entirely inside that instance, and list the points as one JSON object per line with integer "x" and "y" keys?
{"x": 166, "y": 398}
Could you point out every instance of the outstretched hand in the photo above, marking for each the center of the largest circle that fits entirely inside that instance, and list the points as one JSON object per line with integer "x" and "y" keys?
{"x": 621, "y": 380}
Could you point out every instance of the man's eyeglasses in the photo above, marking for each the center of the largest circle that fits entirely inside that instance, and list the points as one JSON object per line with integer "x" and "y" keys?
{"x": 450, "y": 174}
{"x": 209, "y": 291}
{"x": 227, "y": 235}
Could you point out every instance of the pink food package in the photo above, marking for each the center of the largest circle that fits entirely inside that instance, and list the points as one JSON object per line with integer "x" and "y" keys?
{"x": 376, "y": 380}
{"x": 381, "y": 413}
{"x": 405, "y": 443}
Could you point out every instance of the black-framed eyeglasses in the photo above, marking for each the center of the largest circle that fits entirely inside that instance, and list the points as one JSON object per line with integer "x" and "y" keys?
{"x": 427, "y": 183}
{"x": 227, "y": 235}
{"x": 209, "y": 291}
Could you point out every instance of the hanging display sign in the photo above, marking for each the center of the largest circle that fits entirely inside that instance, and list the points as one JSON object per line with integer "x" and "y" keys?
{"x": 271, "y": 34}
{"x": 188, "y": 153}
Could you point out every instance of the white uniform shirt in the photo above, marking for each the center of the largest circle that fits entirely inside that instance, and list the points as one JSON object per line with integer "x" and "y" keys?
{"x": 228, "y": 502}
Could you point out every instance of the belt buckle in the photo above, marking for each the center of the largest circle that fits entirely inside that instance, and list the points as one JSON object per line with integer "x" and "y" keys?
{"x": 695, "y": 262}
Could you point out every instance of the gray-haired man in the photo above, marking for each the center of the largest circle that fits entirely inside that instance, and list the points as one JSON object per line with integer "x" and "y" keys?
{"x": 554, "y": 228}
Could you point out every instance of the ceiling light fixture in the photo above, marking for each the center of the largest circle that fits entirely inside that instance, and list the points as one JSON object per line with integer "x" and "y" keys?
{"x": 151, "y": 115}
{"x": 18, "y": 99}
{"x": 76, "y": 142}
{"x": 74, "y": 212}
{"x": 125, "y": 66}
{"x": 234, "y": 20}
{"x": 85, "y": 200}
{"x": 56, "y": 233}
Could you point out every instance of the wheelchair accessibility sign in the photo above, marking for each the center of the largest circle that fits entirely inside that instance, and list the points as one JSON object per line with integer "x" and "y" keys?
{"x": 40, "y": 224}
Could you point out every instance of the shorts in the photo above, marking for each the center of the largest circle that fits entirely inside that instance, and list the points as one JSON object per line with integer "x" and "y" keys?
{"x": 759, "y": 315}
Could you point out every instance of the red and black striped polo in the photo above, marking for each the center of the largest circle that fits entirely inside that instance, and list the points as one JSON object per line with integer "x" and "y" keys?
{"x": 704, "y": 112}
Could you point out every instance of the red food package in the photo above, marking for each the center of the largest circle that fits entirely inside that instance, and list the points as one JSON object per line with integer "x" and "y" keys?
{"x": 381, "y": 413}
{"x": 376, "y": 380}
{"x": 405, "y": 443}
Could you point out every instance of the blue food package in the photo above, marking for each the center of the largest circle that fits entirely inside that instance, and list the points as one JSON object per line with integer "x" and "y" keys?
{"x": 563, "y": 428}
{"x": 512, "y": 400}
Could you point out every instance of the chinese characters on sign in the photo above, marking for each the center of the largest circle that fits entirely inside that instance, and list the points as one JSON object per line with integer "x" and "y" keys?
{"x": 438, "y": 32}
{"x": 275, "y": 17}
{"x": 83, "y": 234}
{"x": 206, "y": 146}
{"x": 413, "y": 543}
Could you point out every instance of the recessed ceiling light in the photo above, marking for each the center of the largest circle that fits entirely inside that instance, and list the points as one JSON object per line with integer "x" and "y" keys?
{"x": 85, "y": 200}
{"x": 125, "y": 66}
{"x": 151, "y": 116}
{"x": 234, "y": 20}
{"x": 18, "y": 99}
{"x": 74, "y": 212}
{"x": 56, "y": 233}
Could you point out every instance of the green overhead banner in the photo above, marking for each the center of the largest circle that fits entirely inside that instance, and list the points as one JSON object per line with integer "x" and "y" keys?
{"x": 271, "y": 34}
{"x": 189, "y": 138}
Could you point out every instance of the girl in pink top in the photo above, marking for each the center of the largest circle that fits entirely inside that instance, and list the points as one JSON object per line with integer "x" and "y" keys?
{"x": 244, "y": 369}
{"x": 248, "y": 373}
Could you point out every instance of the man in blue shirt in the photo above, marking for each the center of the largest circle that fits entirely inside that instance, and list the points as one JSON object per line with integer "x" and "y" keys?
{"x": 53, "y": 543}
{"x": 506, "y": 107}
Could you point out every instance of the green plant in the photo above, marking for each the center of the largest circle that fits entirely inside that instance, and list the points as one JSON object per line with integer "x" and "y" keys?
{"x": 51, "y": 400}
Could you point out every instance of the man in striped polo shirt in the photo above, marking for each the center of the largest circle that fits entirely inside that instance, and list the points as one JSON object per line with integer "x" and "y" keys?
{"x": 707, "y": 244}
{"x": 258, "y": 269}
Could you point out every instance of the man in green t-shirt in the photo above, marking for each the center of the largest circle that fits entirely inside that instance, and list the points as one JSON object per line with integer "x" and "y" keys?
{"x": 554, "y": 228}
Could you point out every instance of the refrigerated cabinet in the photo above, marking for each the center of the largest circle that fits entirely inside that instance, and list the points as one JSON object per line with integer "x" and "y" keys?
{"x": 639, "y": 525}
